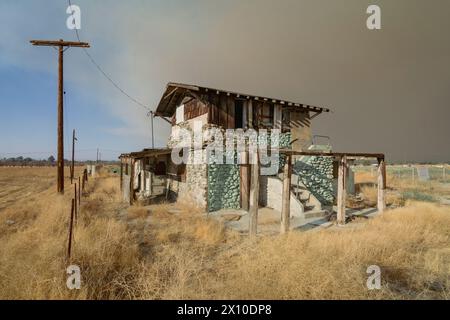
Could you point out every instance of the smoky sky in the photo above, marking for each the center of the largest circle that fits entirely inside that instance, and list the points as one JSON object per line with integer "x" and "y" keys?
{"x": 388, "y": 89}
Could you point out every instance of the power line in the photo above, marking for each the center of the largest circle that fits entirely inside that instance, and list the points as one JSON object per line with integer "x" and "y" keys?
{"x": 100, "y": 69}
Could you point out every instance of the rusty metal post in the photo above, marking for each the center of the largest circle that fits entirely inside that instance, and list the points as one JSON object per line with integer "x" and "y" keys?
{"x": 69, "y": 249}
{"x": 83, "y": 181}
{"x": 79, "y": 192}
{"x": 76, "y": 201}
{"x": 72, "y": 168}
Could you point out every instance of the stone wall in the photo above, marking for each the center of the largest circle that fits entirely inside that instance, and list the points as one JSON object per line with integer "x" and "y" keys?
{"x": 193, "y": 188}
{"x": 223, "y": 186}
{"x": 316, "y": 173}
{"x": 196, "y": 186}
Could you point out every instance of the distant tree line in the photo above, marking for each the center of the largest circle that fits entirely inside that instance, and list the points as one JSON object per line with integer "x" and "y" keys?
{"x": 50, "y": 161}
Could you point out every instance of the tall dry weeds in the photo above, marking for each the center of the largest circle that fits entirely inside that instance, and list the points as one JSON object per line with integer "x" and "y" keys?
{"x": 175, "y": 252}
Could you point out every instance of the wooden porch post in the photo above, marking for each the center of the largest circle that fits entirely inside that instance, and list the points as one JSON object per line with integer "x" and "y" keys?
{"x": 132, "y": 182}
{"x": 121, "y": 174}
{"x": 254, "y": 195}
{"x": 244, "y": 175}
{"x": 286, "y": 196}
{"x": 341, "y": 192}
{"x": 381, "y": 203}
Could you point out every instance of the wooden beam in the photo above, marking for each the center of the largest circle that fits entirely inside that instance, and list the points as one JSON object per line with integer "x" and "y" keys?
{"x": 254, "y": 195}
{"x": 286, "y": 196}
{"x": 332, "y": 154}
{"x": 56, "y": 43}
{"x": 250, "y": 114}
{"x": 170, "y": 93}
{"x": 230, "y": 112}
{"x": 132, "y": 182}
{"x": 341, "y": 190}
{"x": 277, "y": 116}
{"x": 245, "y": 181}
{"x": 244, "y": 114}
{"x": 381, "y": 202}
{"x": 121, "y": 174}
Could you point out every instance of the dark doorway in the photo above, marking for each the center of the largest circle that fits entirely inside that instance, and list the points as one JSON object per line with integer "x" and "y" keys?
{"x": 238, "y": 119}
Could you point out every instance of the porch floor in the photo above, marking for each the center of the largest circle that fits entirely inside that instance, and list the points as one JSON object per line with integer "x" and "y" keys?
{"x": 269, "y": 220}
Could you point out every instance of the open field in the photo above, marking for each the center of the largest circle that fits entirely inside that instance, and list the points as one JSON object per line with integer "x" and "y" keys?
{"x": 403, "y": 185}
{"x": 172, "y": 251}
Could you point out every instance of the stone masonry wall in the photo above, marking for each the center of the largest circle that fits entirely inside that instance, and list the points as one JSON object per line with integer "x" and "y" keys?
{"x": 223, "y": 186}
{"x": 196, "y": 184}
{"x": 317, "y": 175}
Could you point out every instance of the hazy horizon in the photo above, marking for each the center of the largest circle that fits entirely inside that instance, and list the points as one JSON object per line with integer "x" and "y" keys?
{"x": 388, "y": 89}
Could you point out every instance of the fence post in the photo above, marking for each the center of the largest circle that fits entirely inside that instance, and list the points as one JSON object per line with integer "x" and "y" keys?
{"x": 69, "y": 249}
{"x": 79, "y": 192}
{"x": 76, "y": 202}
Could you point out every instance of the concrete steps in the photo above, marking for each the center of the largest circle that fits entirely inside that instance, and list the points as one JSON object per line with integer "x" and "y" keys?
{"x": 315, "y": 213}
{"x": 309, "y": 201}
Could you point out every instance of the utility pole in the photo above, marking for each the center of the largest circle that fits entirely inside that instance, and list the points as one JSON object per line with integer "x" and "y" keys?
{"x": 97, "y": 156}
{"x": 72, "y": 168}
{"x": 151, "y": 114}
{"x": 61, "y": 44}
{"x": 153, "y": 136}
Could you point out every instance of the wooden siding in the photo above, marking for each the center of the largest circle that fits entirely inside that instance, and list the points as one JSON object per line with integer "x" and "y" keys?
{"x": 194, "y": 108}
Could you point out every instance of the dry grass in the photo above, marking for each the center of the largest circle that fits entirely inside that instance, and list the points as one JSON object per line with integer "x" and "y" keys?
{"x": 175, "y": 252}
{"x": 33, "y": 249}
{"x": 399, "y": 189}
{"x": 135, "y": 212}
{"x": 411, "y": 245}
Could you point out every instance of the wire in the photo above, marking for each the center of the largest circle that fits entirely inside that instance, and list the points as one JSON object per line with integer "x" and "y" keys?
{"x": 100, "y": 69}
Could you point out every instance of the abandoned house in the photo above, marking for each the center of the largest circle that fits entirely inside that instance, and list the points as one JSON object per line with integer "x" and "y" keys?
{"x": 151, "y": 173}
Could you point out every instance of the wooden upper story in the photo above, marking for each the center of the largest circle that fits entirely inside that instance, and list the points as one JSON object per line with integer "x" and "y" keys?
{"x": 183, "y": 103}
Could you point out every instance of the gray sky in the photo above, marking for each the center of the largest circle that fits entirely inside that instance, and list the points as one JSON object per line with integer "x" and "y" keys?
{"x": 388, "y": 89}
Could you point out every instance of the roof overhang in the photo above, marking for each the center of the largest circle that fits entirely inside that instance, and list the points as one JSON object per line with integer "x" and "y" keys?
{"x": 176, "y": 92}
{"x": 146, "y": 153}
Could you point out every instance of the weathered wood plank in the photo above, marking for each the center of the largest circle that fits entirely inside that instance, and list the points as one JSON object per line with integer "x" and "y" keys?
{"x": 332, "y": 154}
{"x": 341, "y": 192}
{"x": 231, "y": 112}
{"x": 277, "y": 116}
{"x": 223, "y": 111}
{"x": 132, "y": 182}
{"x": 245, "y": 181}
{"x": 121, "y": 174}
{"x": 286, "y": 196}
{"x": 381, "y": 202}
{"x": 254, "y": 195}
{"x": 250, "y": 113}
